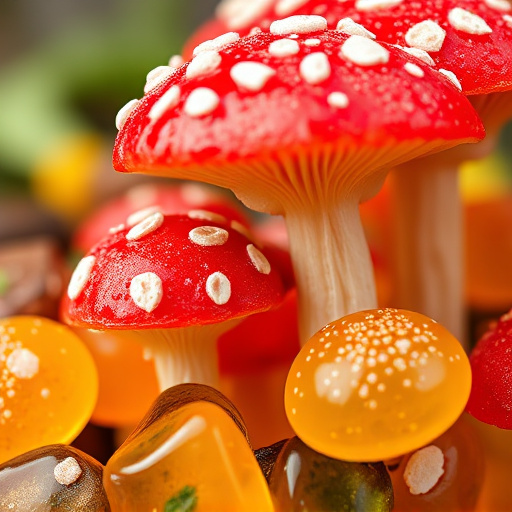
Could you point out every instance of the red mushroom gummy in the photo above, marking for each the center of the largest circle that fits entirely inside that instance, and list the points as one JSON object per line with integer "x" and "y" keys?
{"x": 178, "y": 282}
{"x": 299, "y": 129}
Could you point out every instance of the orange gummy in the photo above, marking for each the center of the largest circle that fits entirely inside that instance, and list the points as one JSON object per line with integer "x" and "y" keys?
{"x": 48, "y": 385}
{"x": 376, "y": 385}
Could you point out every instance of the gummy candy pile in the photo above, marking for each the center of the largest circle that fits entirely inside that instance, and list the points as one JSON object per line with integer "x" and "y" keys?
{"x": 263, "y": 366}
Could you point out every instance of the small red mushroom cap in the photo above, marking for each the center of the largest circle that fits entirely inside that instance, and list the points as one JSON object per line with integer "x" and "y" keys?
{"x": 171, "y": 271}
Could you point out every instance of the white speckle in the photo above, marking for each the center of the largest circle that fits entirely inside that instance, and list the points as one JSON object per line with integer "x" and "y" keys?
{"x": 145, "y": 227}
{"x": 45, "y": 393}
{"x": 23, "y": 363}
{"x": 339, "y": 390}
{"x": 208, "y": 236}
{"x": 258, "y": 260}
{"x": 80, "y": 276}
{"x": 364, "y": 391}
{"x": 338, "y": 100}
{"x": 204, "y": 64}
{"x": 381, "y": 387}
{"x": 349, "y": 26}
{"x": 372, "y": 378}
{"x": 414, "y": 70}
{"x": 400, "y": 364}
{"x": 364, "y": 52}
{"x": 218, "y": 43}
{"x": 315, "y": 68}
{"x": 167, "y": 101}
{"x": 201, "y": 102}
{"x": 251, "y": 76}
{"x": 312, "y": 42}
{"x": 124, "y": 113}
{"x": 157, "y": 76}
{"x": 466, "y": 21}
{"x": 206, "y": 215}
{"x": 140, "y": 215}
{"x": 403, "y": 346}
{"x": 424, "y": 469}
{"x": 426, "y": 35}
{"x": 146, "y": 290}
{"x": 67, "y": 472}
{"x": 372, "y": 5}
{"x": 176, "y": 61}
{"x": 218, "y": 288}
{"x": 7, "y": 413}
{"x": 451, "y": 76}
{"x": 419, "y": 54}
{"x": 372, "y": 404}
{"x": 241, "y": 13}
{"x": 283, "y": 48}
{"x": 407, "y": 383}
{"x": 298, "y": 25}
{"x": 499, "y": 5}
{"x": 285, "y": 7}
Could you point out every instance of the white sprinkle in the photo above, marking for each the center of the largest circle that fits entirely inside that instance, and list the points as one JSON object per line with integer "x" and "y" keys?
{"x": 208, "y": 236}
{"x": 140, "y": 215}
{"x": 241, "y": 13}
{"x": 349, "y": 26}
{"x": 145, "y": 227}
{"x": 201, "y": 102}
{"x": 218, "y": 43}
{"x": 167, "y": 101}
{"x": 146, "y": 290}
{"x": 466, "y": 21}
{"x": 218, "y": 288}
{"x": 251, "y": 76}
{"x": 419, "y": 54}
{"x": 452, "y": 77}
{"x": 258, "y": 260}
{"x": 424, "y": 469}
{"x": 315, "y": 68}
{"x": 364, "y": 391}
{"x": 312, "y": 42}
{"x": 298, "y": 25}
{"x": 206, "y": 215}
{"x": 407, "y": 383}
{"x": 499, "y": 5}
{"x": 403, "y": 346}
{"x": 157, "y": 76}
{"x": 426, "y": 35}
{"x": 176, "y": 61}
{"x": 364, "y": 52}
{"x": 371, "y": 5}
{"x": 45, "y": 393}
{"x": 283, "y": 48}
{"x": 7, "y": 413}
{"x": 372, "y": 404}
{"x": 338, "y": 100}
{"x": 22, "y": 363}
{"x": 67, "y": 472}
{"x": 124, "y": 113}
{"x": 508, "y": 19}
{"x": 414, "y": 70}
{"x": 285, "y": 7}
{"x": 372, "y": 378}
{"x": 80, "y": 276}
{"x": 400, "y": 364}
{"x": 204, "y": 64}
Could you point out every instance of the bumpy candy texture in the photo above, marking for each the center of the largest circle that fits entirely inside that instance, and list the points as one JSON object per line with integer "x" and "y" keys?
{"x": 376, "y": 385}
{"x": 303, "y": 480}
{"x": 491, "y": 363}
{"x": 445, "y": 475}
{"x": 188, "y": 454}
{"x": 54, "y": 478}
{"x": 48, "y": 385}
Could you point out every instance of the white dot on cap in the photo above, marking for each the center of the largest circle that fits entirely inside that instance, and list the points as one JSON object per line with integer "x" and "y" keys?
{"x": 167, "y": 101}
{"x": 372, "y": 5}
{"x": 206, "y": 215}
{"x": 338, "y": 100}
{"x": 285, "y": 7}
{"x": 67, "y": 472}
{"x": 208, "y": 236}
{"x": 140, "y": 215}
{"x": 315, "y": 68}
{"x": 218, "y": 43}
{"x": 218, "y": 288}
{"x": 258, "y": 259}
{"x": 146, "y": 290}
{"x": 419, "y": 54}
{"x": 80, "y": 276}
{"x": 426, "y": 35}
{"x": 124, "y": 113}
{"x": 414, "y": 70}
{"x": 452, "y": 77}
{"x": 251, "y": 76}
{"x": 468, "y": 22}
{"x": 349, "y": 26}
{"x": 241, "y": 13}
{"x": 157, "y": 76}
{"x": 424, "y": 469}
{"x": 364, "y": 52}
{"x": 22, "y": 363}
{"x": 203, "y": 64}
{"x": 176, "y": 61}
{"x": 508, "y": 19}
{"x": 499, "y": 5}
{"x": 283, "y": 48}
{"x": 312, "y": 42}
{"x": 298, "y": 25}
{"x": 201, "y": 102}
{"x": 145, "y": 227}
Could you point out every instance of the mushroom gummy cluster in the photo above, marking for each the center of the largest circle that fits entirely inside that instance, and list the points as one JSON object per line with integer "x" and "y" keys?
{"x": 193, "y": 325}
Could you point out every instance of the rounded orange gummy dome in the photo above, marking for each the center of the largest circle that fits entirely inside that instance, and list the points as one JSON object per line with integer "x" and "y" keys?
{"x": 377, "y": 384}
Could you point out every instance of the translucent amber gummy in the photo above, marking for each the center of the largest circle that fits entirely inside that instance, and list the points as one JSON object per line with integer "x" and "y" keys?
{"x": 376, "y": 385}
{"x": 48, "y": 385}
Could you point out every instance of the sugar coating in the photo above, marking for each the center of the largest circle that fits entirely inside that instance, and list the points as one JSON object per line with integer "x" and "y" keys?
{"x": 208, "y": 236}
{"x": 80, "y": 276}
{"x": 426, "y": 35}
{"x": 424, "y": 469}
{"x": 251, "y": 76}
{"x": 241, "y": 13}
{"x": 258, "y": 259}
{"x": 466, "y": 21}
{"x": 140, "y": 215}
{"x": 157, "y": 76}
{"x": 205, "y": 63}
{"x": 349, "y": 26}
{"x": 201, "y": 101}
{"x": 167, "y": 101}
{"x": 67, "y": 472}
{"x": 419, "y": 54}
{"x": 414, "y": 70}
{"x": 206, "y": 215}
{"x": 372, "y": 5}
{"x": 124, "y": 113}
{"x": 452, "y": 77}
{"x": 218, "y": 288}
{"x": 315, "y": 68}
{"x": 146, "y": 291}
{"x": 285, "y": 7}
{"x": 364, "y": 52}
{"x": 338, "y": 100}
{"x": 298, "y": 25}
{"x": 499, "y": 5}
{"x": 218, "y": 43}
{"x": 283, "y": 48}
{"x": 22, "y": 363}
{"x": 145, "y": 227}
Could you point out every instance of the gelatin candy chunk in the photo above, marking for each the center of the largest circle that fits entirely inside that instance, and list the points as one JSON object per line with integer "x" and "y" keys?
{"x": 187, "y": 454}
{"x": 304, "y": 480}
{"x": 376, "y": 385}
{"x": 57, "y": 478}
